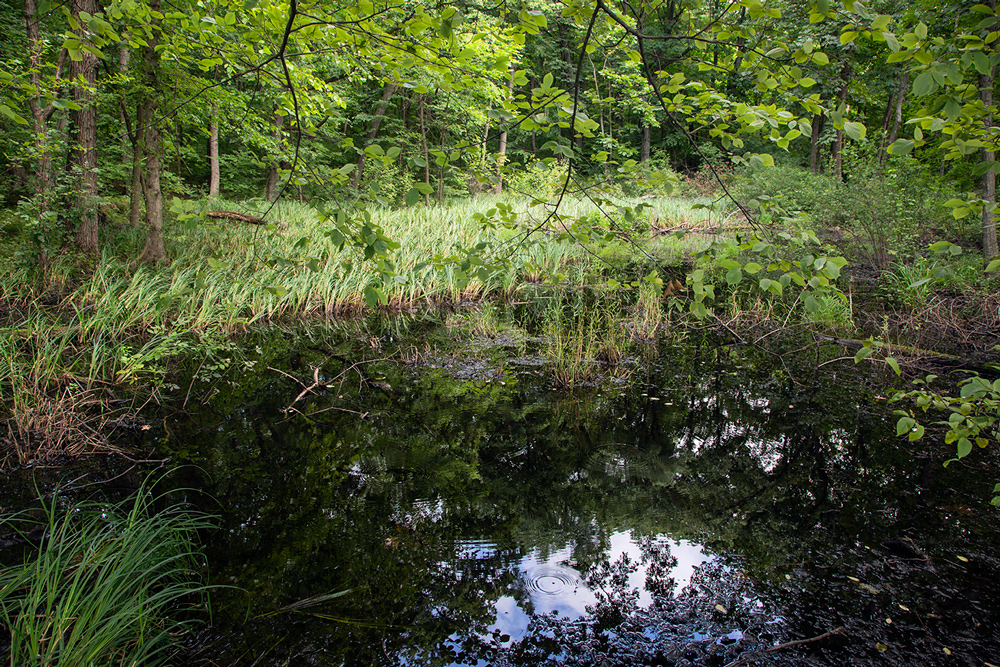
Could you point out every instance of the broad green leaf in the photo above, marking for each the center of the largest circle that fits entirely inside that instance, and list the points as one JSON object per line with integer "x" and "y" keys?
{"x": 412, "y": 196}
{"x": 924, "y": 84}
{"x": 902, "y": 147}
{"x": 904, "y": 425}
{"x": 855, "y": 131}
{"x": 964, "y": 447}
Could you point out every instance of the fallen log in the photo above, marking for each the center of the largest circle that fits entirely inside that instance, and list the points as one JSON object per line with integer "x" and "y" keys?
{"x": 241, "y": 217}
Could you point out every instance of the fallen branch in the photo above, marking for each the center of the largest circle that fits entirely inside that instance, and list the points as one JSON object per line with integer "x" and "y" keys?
{"x": 241, "y": 217}
{"x": 760, "y": 654}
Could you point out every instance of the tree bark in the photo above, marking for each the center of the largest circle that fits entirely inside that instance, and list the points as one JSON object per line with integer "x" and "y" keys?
{"x": 646, "y": 141}
{"x": 502, "y": 149}
{"x": 154, "y": 250}
{"x": 213, "y": 153}
{"x": 989, "y": 181}
{"x": 380, "y": 110}
{"x": 815, "y": 164}
{"x": 423, "y": 143}
{"x": 136, "y": 191}
{"x": 838, "y": 143}
{"x": 83, "y": 141}
{"x": 39, "y": 114}
{"x": 897, "y": 119}
{"x": 273, "y": 175}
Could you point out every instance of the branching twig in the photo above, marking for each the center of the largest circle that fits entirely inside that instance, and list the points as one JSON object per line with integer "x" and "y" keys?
{"x": 759, "y": 654}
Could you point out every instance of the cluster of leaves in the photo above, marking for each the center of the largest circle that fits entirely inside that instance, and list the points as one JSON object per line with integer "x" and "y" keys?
{"x": 811, "y": 275}
{"x": 973, "y": 416}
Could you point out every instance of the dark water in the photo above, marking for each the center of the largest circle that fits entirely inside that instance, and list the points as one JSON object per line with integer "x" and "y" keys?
{"x": 724, "y": 500}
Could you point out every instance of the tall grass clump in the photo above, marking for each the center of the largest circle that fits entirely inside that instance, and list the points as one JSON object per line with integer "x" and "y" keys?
{"x": 107, "y": 585}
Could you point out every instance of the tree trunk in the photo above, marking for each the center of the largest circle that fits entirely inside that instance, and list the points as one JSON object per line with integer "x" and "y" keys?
{"x": 990, "y": 249}
{"x": 136, "y": 191}
{"x": 213, "y": 153}
{"x": 124, "y": 56}
{"x": 423, "y": 143}
{"x": 154, "y": 251}
{"x": 502, "y": 149}
{"x": 897, "y": 119}
{"x": 83, "y": 141}
{"x": 838, "y": 143}
{"x": 380, "y": 110}
{"x": 39, "y": 114}
{"x": 815, "y": 165}
{"x": 646, "y": 141}
{"x": 273, "y": 175}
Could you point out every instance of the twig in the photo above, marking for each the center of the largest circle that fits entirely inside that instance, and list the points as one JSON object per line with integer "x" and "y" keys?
{"x": 759, "y": 654}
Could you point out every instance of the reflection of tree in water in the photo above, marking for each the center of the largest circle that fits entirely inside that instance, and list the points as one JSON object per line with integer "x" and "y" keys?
{"x": 732, "y": 455}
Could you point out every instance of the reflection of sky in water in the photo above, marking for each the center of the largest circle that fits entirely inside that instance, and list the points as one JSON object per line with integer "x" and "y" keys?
{"x": 555, "y": 587}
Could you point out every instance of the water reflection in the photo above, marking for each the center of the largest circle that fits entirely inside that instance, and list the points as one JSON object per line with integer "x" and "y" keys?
{"x": 550, "y": 586}
{"x": 480, "y": 522}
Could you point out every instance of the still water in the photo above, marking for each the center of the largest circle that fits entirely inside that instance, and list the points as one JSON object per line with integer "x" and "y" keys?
{"x": 427, "y": 505}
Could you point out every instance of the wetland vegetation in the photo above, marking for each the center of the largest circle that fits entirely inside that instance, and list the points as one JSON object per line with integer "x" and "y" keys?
{"x": 548, "y": 334}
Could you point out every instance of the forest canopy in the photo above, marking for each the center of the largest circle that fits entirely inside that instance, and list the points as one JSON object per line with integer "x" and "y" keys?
{"x": 392, "y": 103}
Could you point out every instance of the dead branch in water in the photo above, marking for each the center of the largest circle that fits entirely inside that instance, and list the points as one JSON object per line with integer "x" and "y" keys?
{"x": 754, "y": 655}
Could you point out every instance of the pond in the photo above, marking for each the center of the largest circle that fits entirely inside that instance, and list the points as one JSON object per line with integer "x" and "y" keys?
{"x": 426, "y": 504}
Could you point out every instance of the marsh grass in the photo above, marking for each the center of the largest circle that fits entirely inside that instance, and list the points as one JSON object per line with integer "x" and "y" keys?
{"x": 79, "y": 332}
{"x": 105, "y": 584}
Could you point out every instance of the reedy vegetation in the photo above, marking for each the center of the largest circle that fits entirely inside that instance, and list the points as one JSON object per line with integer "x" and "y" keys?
{"x": 106, "y": 584}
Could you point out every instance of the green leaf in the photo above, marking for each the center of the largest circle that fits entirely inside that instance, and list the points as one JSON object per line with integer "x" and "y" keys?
{"x": 5, "y": 110}
{"x": 982, "y": 62}
{"x": 863, "y": 353}
{"x": 902, "y": 147}
{"x": 424, "y": 188}
{"x": 371, "y": 296}
{"x": 893, "y": 364}
{"x": 964, "y": 447}
{"x": 993, "y": 265}
{"x": 924, "y": 84}
{"x": 855, "y": 131}
{"x": 734, "y": 276}
{"x": 905, "y": 425}
{"x": 412, "y": 196}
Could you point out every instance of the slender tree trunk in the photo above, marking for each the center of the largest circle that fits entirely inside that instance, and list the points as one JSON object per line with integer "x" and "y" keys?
{"x": 897, "y": 119}
{"x": 154, "y": 250}
{"x": 815, "y": 165}
{"x": 838, "y": 143}
{"x": 502, "y": 149}
{"x": 213, "y": 153}
{"x": 124, "y": 56}
{"x": 380, "y": 110}
{"x": 423, "y": 143}
{"x": 646, "y": 141}
{"x": 136, "y": 191}
{"x": 39, "y": 114}
{"x": 990, "y": 249}
{"x": 273, "y": 175}
{"x": 83, "y": 153}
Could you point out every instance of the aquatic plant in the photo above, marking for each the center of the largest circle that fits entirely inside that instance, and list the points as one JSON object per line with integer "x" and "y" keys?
{"x": 107, "y": 585}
